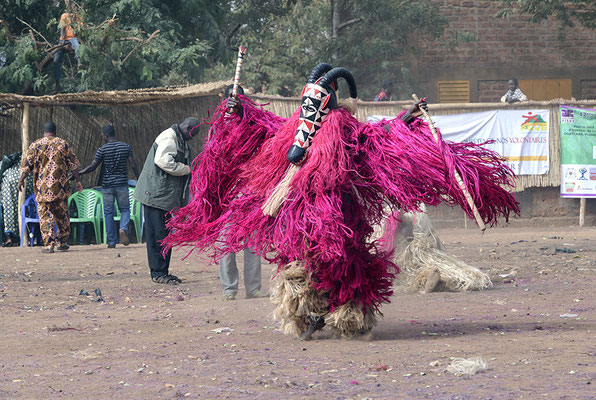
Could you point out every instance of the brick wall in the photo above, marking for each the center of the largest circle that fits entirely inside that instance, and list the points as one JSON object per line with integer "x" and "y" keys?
{"x": 588, "y": 89}
{"x": 503, "y": 41}
{"x": 491, "y": 91}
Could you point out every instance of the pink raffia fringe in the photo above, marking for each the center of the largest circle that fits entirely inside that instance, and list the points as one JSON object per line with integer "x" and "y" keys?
{"x": 351, "y": 172}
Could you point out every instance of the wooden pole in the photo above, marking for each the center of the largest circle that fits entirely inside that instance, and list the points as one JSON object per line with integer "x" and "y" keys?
{"x": 24, "y": 147}
{"x": 456, "y": 173}
{"x": 582, "y": 211}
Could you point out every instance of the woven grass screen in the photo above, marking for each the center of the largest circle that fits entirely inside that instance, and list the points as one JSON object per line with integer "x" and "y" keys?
{"x": 137, "y": 123}
{"x": 140, "y": 115}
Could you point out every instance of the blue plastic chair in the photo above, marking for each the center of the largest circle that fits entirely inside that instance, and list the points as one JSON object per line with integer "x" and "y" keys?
{"x": 29, "y": 215}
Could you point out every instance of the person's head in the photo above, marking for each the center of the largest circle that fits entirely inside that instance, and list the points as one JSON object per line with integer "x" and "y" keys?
{"x": 229, "y": 89}
{"x": 108, "y": 132}
{"x": 512, "y": 84}
{"x": 189, "y": 128}
{"x": 49, "y": 129}
{"x": 387, "y": 86}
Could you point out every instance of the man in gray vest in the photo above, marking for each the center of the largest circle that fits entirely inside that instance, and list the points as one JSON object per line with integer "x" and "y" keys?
{"x": 163, "y": 186}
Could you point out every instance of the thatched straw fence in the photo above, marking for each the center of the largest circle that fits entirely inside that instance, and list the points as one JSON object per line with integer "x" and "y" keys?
{"x": 140, "y": 115}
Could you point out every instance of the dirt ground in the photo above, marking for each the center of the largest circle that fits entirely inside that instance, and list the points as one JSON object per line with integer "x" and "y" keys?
{"x": 535, "y": 329}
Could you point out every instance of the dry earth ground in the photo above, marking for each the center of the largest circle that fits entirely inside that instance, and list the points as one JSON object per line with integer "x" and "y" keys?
{"x": 148, "y": 341}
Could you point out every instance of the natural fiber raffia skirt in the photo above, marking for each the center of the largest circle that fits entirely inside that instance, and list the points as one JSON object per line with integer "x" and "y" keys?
{"x": 296, "y": 299}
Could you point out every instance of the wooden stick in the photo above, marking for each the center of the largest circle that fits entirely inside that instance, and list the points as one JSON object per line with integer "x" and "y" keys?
{"x": 460, "y": 182}
{"x": 241, "y": 54}
{"x": 582, "y": 211}
{"x": 24, "y": 148}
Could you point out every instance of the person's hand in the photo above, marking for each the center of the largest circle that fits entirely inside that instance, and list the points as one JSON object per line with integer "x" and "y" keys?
{"x": 416, "y": 108}
{"x": 234, "y": 105}
{"x": 414, "y": 111}
{"x": 20, "y": 186}
{"x": 79, "y": 187}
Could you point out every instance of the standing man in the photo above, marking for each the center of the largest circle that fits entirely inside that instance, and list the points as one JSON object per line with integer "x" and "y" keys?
{"x": 228, "y": 270}
{"x": 162, "y": 187}
{"x": 67, "y": 35}
{"x": 50, "y": 159}
{"x": 114, "y": 157}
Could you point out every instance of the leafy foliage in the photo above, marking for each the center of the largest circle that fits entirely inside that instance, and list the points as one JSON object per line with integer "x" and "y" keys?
{"x": 286, "y": 39}
{"x": 125, "y": 43}
{"x": 143, "y": 43}
{"x": 569, "y": 12}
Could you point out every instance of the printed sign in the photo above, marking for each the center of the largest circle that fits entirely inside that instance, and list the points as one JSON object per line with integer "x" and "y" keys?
{"x": 521, "y": 136}
{"x": 578, "y": 152}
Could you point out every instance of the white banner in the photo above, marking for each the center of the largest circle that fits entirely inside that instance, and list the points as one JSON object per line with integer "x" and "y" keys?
{"x": 521, "y": 136}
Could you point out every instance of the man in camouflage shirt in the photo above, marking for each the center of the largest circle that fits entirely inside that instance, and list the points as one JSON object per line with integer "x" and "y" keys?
{"x": 50, "y": 159}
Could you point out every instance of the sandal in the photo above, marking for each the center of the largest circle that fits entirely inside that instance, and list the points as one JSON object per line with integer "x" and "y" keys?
{"x": 167, "y": 279}
{"x": 7, "y": 243}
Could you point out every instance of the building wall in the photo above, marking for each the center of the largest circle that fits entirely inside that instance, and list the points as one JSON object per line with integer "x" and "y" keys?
{"x": 503, "y": 48}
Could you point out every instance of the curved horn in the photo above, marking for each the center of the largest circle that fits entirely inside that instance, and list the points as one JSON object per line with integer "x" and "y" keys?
{"x": 319, "y": 70}
{"x": 340, "y": 73}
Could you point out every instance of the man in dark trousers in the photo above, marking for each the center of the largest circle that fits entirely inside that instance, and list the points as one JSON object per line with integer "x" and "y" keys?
{"x": 163, "y": 186}
{"x": 49, "y": 160}
{"x": 114, "y": 157}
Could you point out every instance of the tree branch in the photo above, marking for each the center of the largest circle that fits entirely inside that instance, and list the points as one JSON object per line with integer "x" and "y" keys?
{"x": 348, "y": 23}
{"x": 230, "y": 35}
{"x": 34, "y": 30}
{"x": 7, "y": 30}
{"x": 150, "y": 38}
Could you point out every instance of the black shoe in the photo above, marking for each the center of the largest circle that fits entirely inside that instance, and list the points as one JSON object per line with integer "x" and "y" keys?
{"x": 111, "y": 246}
{"x": 167, "y": 279}
{"x": 314, "y": 324}
{"x": 63, "y": 247}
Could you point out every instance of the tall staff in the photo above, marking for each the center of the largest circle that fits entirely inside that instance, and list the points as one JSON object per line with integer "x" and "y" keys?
{"x": 460, "y": 182}
{"x": 241, "y": 54}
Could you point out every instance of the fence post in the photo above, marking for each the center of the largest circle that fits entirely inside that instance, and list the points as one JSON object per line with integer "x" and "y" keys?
{"x": 582, "y": 211}
{"x": 24, "y": 147}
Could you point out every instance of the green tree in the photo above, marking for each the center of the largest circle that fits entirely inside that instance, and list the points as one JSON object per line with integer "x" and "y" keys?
{"x": 286, "y": 39}
{"x": 569, "y": 12}
{"x": 125, "y": 43}
{"x": 144, "y": 43}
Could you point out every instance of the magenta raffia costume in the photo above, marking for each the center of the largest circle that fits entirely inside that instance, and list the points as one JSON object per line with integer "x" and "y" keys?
{"x": 339, "y": 173}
